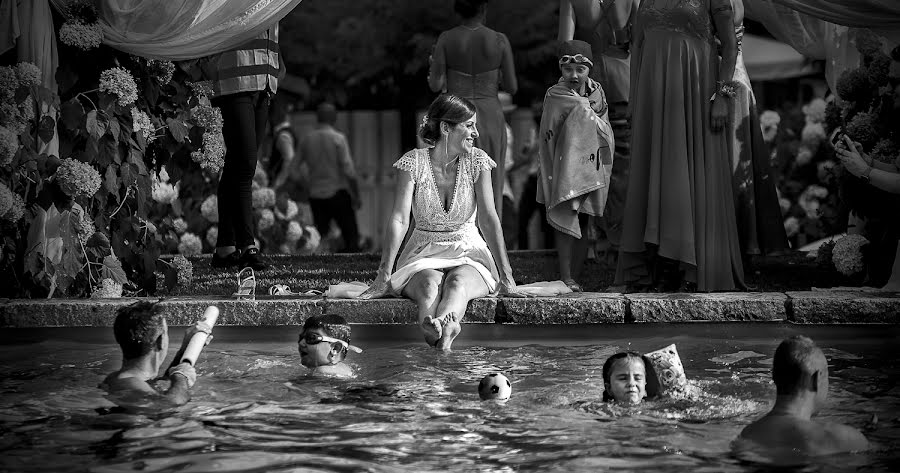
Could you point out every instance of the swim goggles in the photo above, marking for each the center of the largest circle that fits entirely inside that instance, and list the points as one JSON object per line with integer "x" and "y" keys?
{"x": 576, "y": 59}
{"x": 312, "y": 338}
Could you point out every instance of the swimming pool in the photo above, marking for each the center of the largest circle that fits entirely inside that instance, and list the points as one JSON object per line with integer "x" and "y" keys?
{"x": 413, "y": 409}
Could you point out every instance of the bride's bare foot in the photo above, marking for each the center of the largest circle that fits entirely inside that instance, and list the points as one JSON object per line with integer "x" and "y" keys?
{"x": 432, "y": 328}
{"x": 451, "y": 330}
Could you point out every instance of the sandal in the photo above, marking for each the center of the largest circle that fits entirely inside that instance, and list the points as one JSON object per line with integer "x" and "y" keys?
{"x": 285, "y": 290}
{"x": 246, "y": 285}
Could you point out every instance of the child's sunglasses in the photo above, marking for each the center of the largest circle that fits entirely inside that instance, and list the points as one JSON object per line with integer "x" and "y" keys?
{"x": 312, "y": 338}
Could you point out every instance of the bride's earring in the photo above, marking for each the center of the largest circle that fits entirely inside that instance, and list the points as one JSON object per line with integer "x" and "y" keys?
{"x": 446, "y": 151}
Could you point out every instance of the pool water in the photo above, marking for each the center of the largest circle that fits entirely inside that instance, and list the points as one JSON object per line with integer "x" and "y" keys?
{"x": 409, "y": 408}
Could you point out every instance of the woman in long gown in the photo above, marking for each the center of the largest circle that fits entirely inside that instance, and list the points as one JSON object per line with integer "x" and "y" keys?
{"x": 471, "y": 61}
{"x": 679, "y": 227}
{"x": 446, "y": 262}
{"x": 759, "y": 220}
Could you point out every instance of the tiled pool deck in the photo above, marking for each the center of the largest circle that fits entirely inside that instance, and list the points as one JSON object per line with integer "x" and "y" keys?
{"x": 803, "y": 307}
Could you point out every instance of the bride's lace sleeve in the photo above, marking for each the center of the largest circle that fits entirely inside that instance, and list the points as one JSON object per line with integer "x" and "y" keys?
{"x": 481, "y": 162}
{"x": 409, "y": 162}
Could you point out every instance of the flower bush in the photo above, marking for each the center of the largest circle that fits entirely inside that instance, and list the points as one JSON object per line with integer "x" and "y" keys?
{"x": 848, "y": 254}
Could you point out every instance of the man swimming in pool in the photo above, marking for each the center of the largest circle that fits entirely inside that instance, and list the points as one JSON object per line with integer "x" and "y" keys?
{"x": 323, "y": 345}
{"x": 800, "y": 372}
{"x": 142, "y": 334}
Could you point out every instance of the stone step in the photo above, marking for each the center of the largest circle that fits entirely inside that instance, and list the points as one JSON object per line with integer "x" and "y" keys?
{"x": 805, "y": 307}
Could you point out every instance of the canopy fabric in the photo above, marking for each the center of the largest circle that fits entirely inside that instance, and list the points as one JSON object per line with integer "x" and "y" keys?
{"x": 872, "y": 14}
{"x": 178, "y": 30}
{"x": 768, "y": 59}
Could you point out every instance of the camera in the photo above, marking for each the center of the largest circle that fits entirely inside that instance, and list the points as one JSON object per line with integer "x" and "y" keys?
{"x": 837, "y": 136}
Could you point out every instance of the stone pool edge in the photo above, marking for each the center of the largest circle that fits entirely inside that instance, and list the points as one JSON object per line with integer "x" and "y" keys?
{"x": 802, "y": 307}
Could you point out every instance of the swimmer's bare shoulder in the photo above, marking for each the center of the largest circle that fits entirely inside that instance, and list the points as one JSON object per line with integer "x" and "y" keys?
{"x": 817, "y": 438}
{"x": 119, "y": 381}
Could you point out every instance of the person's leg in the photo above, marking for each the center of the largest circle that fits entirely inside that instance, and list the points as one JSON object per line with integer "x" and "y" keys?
{"x": 564, "y": 250}
{"x": 321, "y": 215}
{"x": 579, "y": 248}
{"x": 424, "y": 288}
{"x": 238, "y": 132}
{"x": 461, "y": 285}
{"x": 255, "y": 128}
{"x": 345, "y": 217}
{"x": 527, "y": 206}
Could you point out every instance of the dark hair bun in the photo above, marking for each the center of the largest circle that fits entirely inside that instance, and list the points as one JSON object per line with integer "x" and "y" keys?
{"x": 445, "y": 108}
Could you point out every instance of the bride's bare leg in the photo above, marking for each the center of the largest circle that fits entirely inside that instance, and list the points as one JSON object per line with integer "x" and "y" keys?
{"x": 461, "y": 285}
{"x": 425, "y": 289}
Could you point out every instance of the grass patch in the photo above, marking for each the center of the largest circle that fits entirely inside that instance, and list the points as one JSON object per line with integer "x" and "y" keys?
{"x": 792, "y": 272}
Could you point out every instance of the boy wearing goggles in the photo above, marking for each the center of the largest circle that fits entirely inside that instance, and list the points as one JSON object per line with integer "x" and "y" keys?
{"x": 323, "y": 345}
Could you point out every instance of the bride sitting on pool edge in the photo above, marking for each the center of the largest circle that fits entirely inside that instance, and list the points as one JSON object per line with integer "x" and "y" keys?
{"x": 446, "y": 262}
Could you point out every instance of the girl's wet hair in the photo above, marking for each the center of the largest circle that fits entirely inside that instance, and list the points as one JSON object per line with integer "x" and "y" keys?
{"x": 652, "y": 386}
{"x": 445, "y": 108}
{"x": 333, "y": 325}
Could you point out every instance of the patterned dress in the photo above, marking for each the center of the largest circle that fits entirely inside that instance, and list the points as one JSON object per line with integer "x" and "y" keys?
{"x": 679, "y": 199}
{"x": 444, "y": 238}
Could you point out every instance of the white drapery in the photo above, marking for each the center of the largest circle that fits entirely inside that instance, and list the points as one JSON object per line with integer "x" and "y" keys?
{"x": 826, "y": 29}
{"x": 177, "y": 30}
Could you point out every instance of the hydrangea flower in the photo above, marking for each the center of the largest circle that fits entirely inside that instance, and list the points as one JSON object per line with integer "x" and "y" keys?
{"x": 813, "y": 133}
{"x": 6, "y": 199}
{"x": 847, "y": 254}
{"x": 209, "y": 117}
{"x": 190, "y": 244}
{"x": 140, "y": 123}
{"x": 785, "y": 205}
{"x": 263, "y": 198}
{"x": 853, "y": 85}
{"x": 867, "y": 43}
{"x": 791, "y": 226}
{"x": 161, "y": 70}
{"x": 313, "y": 239}
{"x": 8, "y": 82}
{"x": 9, "y": 146}
{"x": 203, "y": 88}
{"x": 824, "y": 171}
{"x": 885, "y": 151}
{"x": 76, "y": 178}
{"x": 179, "y": 225}
{"x": 834, "y": 115}
{"x": 879, "y": 70}
{"x": 84, "y": 228}
{"x": 163, "y": 192}
{"x": 294, "y": 232}
{"x": 814, "y": 111}
{"x": 290, "y": 210}
{"x": 211, "y": 156}
{"x": 862, "y": 128}
{"x": 804, "y": 156}
{"x": 209, "y": 209}
{"x": 107, "y": 289}
{"x": 29, "y": 75}
{"x": 266, "y": 219}
{"x": 16, "y": 210}
{"x": 84, "y": 36}
{"x": 212, "y": 235}
{"x": 184, "y": 269}
{"x": 119, "y": 82}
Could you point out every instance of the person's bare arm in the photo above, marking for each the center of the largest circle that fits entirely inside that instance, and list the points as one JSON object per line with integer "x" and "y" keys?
{"x": 393, "y": 236}
{"x": 437, "y": 68}
{"x": 566, "y": 21}
{"x": 847, "y": 439}
{"x": 723, "y": 18}
{"x": 285, "y": 145}
{"x": 507, "y": 65}
{"x": 349, "y": 171}
{"x": 489, "y": 223}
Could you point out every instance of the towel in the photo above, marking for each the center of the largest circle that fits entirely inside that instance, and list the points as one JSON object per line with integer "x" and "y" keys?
{"x": 576, "y": 156}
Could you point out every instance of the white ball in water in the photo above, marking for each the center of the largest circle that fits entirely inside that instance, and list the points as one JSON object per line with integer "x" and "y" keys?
{"x": 495, "y": 386}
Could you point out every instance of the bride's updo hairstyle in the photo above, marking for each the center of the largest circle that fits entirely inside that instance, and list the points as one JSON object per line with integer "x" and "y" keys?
{"x": 445, "y": 108}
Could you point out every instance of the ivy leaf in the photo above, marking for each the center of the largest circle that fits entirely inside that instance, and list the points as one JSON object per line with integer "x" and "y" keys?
{"x": 98, "y": 241}
{"x": 94, "y": 125}
{"x": 36, "y": 238}
{"x": 107, "y": 152}
{"x": 71, "y": 114}
{"x": 112, "y": 268}
{"x": 111, "y": 182}
{"x": 46, "y": 128}
{"x": 177, "y": 128}
{"x": 129, "y": 175}
{"x": 114, "y": 130}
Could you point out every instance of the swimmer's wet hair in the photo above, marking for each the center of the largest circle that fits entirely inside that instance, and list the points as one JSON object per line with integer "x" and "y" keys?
{"x": 137, "y": 327}
{"x": 333, "y": 325}
{"x": 795, "y": 361}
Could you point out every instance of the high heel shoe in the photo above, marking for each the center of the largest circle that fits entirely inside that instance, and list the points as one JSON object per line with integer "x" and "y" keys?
{"x": 246, "y": 285}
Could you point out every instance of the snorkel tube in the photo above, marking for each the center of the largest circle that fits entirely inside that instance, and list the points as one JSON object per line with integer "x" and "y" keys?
{"x": 198, "y": 341}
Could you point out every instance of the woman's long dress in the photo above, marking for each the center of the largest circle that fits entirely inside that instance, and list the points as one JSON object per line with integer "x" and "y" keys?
{"x": 444, "y": 238}
{"x": 482, "y": 89}
{"x": 680, "y": 198}
{"x": 758, "y": 214}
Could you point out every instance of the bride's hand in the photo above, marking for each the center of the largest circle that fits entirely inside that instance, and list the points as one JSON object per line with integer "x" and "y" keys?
{"x": 379, "y": 288}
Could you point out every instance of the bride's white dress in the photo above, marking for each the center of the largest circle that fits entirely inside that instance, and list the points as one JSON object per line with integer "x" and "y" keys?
{"x": 442, "y": 238}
